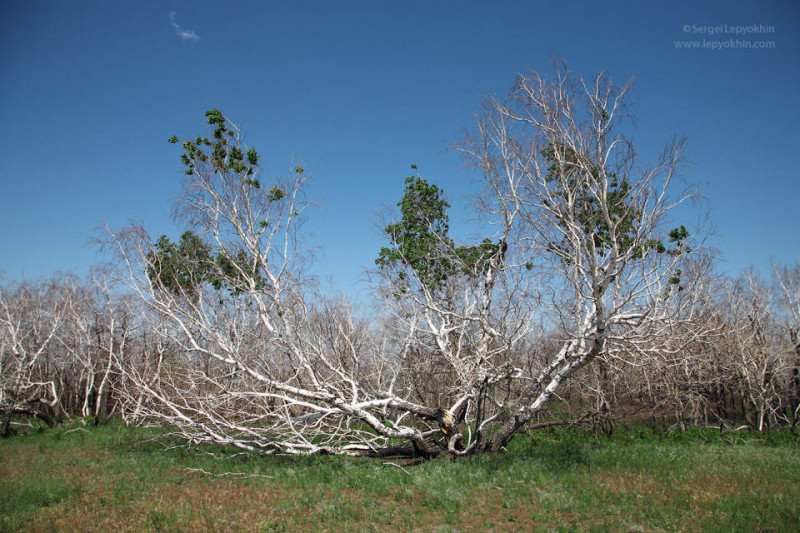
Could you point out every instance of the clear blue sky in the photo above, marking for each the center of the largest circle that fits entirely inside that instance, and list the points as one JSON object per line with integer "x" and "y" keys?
{"x": 358, "y": 90}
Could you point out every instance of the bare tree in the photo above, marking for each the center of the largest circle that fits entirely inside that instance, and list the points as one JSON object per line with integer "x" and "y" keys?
{"x": 594, "y": 223}
{"x": 737, "y": 360}
{"x": 787, "y": 281}
{"x": 30, "y": 317}
{"x": 756, "y": 354}
{"x": 60, "y": 339}
{"x": 94, "y": 335}
{"x": 245, "y": 351}
{"x": 459, "y": 316}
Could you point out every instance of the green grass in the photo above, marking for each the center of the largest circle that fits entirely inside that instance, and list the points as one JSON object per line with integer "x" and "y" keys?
{"x": 118, "y": 478}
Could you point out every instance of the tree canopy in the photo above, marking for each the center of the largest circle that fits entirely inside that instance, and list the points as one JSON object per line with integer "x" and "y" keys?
{"x": 421, "y": 242}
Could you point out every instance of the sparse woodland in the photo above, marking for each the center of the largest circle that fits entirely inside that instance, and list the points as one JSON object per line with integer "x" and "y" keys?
{"x": 590, "y": 300}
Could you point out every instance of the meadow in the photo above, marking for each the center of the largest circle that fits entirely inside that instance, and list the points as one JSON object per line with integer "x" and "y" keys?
{"x": 112, "y": 477}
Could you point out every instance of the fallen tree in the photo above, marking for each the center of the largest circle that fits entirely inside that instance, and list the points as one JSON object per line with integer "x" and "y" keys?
{"x": 243, "y": 349}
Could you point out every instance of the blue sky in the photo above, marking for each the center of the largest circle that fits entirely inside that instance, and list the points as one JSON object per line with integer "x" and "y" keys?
{"x": 359, "y": 90}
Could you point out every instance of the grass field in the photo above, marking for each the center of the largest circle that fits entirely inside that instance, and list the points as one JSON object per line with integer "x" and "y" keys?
{"x": 114, "y": 478}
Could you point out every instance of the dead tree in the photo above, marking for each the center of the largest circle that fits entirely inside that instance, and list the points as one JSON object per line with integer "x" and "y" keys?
{"x": 245, "y": 351}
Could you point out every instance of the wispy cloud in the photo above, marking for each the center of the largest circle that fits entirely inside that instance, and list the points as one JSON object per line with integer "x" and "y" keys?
{"x": 186, "y": 35}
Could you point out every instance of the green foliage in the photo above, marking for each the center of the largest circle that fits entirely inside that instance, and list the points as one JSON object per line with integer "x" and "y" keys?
{"x": 235, "y": 272}
{"x": 421, "y": 242}
{"x": 275, "y": 194}
{"x": 180, "y": 267}
{"x": 183, "y": 267}
{"x": 223, "y": 154}
{"x": 474, "y": 259}
{"x": 222, "y": 151}
{"x": 566, "y": 174}
{"x": 420, "y": 239}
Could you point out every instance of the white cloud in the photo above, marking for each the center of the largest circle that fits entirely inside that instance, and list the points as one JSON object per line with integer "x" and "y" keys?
{"x": 186, "y": 35}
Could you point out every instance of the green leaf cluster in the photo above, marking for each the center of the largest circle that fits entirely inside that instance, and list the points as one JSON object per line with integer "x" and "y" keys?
{"x": 275, "y": 194}
{"x": 183, "y": 267}
{"x": 180, "y": 267}
{"x": 421, "y": 242}
{"x": 221, "y": 151}
{"x": 564, "y": 174}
